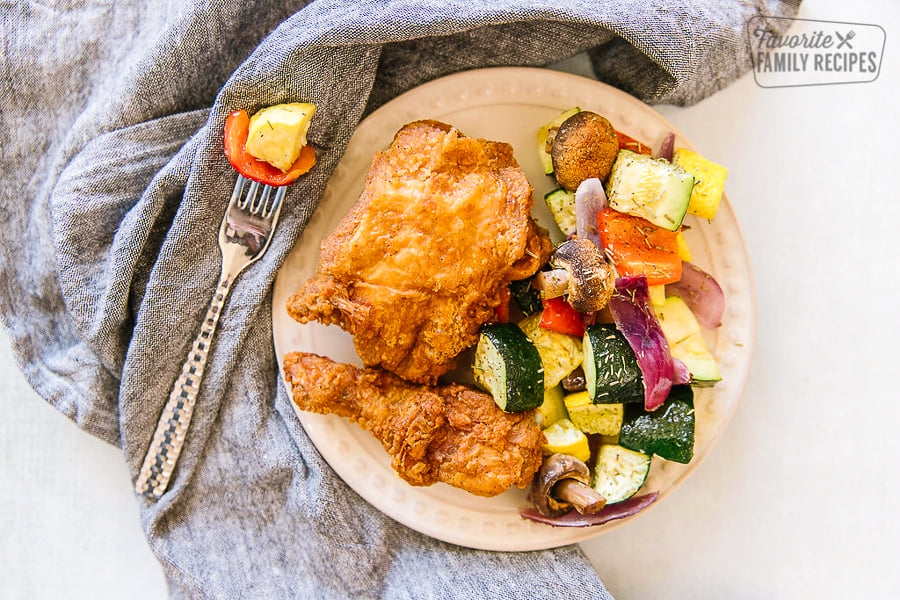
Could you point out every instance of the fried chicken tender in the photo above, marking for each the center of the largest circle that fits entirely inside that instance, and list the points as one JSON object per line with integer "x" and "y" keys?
{"x": 422, "y": 259}
{"x": 449, "y": 433}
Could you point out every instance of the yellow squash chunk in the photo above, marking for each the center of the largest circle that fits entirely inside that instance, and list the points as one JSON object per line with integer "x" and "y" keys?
{"x": 709, "y": 182}
{"x": 657, "y": 295}
{"x": 684, "y": 252}
{"x": 564, "y": 438}
{"x": 605, "y": 419}
{"x": 676, "y": 319}
{"x": 278, "y": 133}
{"x": 554, "y": 408}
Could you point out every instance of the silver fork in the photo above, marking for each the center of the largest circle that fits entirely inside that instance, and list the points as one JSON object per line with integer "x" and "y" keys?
{"x": 244, "y": 236}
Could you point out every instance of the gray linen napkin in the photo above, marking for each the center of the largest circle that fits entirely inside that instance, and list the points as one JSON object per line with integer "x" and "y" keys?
{"x": 113, "y": 185}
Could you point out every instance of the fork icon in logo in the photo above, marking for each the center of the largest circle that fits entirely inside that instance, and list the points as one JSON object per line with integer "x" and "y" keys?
{"x": 845, "y": 40}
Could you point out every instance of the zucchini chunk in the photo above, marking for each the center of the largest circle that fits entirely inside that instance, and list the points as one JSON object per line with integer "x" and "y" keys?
{"x": 667, "y": 432}
{"x": 528, "y": 298}
{"x": 619, "y": 472}
{"x": 561, "y": 203}
{"x": 653, "y": 189}
{"x": 605, "y": 419}
{"x": 699, "y": 360}
{"x": 544, "y": 133}
{"x": 508, "y": 366}
{"x": 560, "y": 353}
{"x": 611, "y": 370}
{"x": 686, "y": 341}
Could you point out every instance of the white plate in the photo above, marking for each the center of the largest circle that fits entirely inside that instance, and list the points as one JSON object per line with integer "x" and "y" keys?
{"x": 504, "y": 104}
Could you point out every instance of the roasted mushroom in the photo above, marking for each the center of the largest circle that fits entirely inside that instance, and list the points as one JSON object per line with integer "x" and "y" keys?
{"x": 585, "y": 146}
{"x": 552, "y": 284}
{"x": 563, "y": 482}
{"x": 581, "y": 271}
{"x": 575, "y": 381}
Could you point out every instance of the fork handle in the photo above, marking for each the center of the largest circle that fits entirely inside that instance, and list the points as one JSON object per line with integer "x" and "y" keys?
{"x": 168, "y": 439}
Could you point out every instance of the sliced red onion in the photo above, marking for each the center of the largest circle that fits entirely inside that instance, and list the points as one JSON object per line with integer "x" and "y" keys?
{"x": 610, "y": 512}
{"x": 682, "y": 375}
{"x": 590, "y": 199}
{"x": 667, "y": 148}
{"x": 635, "y": 318}
{"x": 701, "y": 293}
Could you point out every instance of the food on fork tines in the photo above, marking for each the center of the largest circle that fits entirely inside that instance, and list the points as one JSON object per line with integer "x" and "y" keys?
{"x": 277, "y": 134}
{"x": 425, "y": 256}
{"x": 448, "y": 433}
{"x": 271, "y": 146}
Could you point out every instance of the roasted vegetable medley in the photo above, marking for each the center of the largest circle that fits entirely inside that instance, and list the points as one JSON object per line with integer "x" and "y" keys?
{"x": 606, "y": 341}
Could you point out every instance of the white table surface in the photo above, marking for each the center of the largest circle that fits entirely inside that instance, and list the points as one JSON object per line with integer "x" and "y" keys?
{"x": 798, "y": 498}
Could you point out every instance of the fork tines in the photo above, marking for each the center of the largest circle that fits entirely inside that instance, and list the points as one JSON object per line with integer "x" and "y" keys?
{"x": 259, "y": 204}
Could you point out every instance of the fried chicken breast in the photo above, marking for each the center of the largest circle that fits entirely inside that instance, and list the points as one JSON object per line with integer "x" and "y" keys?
{"x": 449, "y": 433}
{"x": 420, "y": 262}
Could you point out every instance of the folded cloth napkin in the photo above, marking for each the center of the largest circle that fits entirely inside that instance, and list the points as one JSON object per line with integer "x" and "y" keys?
{"x": 112, "y": 190}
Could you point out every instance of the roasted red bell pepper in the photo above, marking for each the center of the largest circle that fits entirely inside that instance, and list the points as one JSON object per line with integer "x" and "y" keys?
{"x": 558, "y": 315}
{"x": 237, "y": 127}
{"x": 503, "y": 308}
{"x": 626, "y": 142}
{"x": 638, "y": 247}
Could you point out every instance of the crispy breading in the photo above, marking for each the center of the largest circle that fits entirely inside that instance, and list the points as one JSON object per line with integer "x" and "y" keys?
{"x": 449, "y": 433}
{"x": 421, "y": 261}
